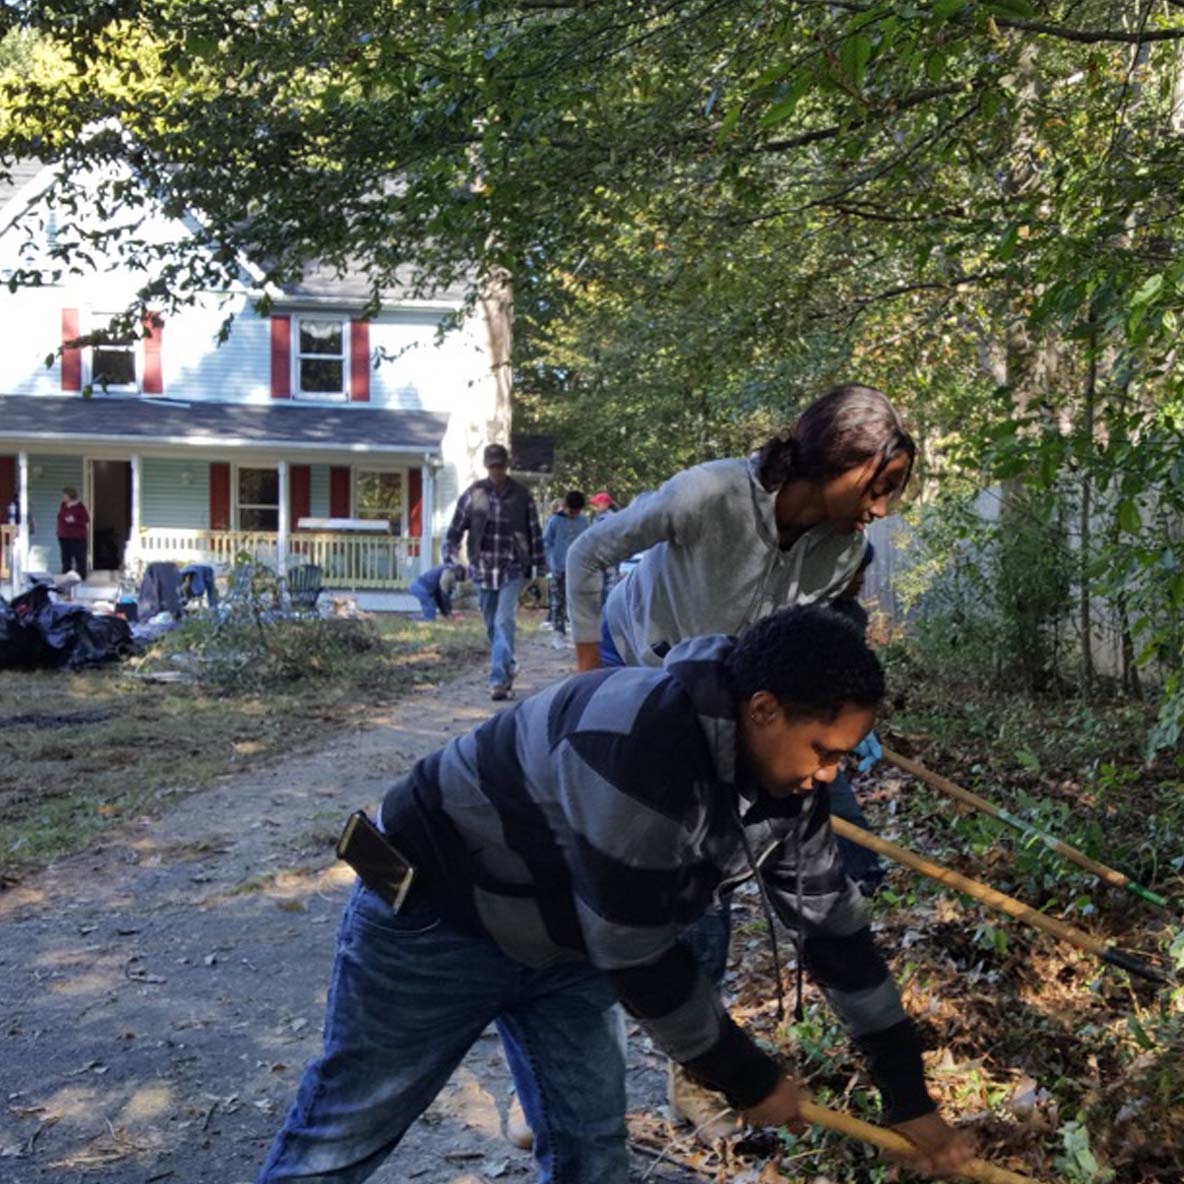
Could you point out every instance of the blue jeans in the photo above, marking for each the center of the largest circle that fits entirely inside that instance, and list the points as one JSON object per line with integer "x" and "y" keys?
{"x": 609, "y": 656}
{"x": 499, "y": 607}
{"x": 427, "y": 602}
{"x": 408, "y": 997}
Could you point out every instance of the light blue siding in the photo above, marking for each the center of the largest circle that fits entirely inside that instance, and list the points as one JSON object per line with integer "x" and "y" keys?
{"x": 167, "y": 500}
{"x": 47, "y": 475}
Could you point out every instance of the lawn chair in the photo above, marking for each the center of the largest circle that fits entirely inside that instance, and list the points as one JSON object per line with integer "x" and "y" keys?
{"x": 304, "y": 587}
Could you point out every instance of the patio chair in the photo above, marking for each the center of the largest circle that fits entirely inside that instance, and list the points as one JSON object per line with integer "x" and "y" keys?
{"x": 304, "y": 587}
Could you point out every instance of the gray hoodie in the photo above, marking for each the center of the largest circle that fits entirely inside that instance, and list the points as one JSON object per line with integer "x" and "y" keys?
{"x": 713, "y": 563}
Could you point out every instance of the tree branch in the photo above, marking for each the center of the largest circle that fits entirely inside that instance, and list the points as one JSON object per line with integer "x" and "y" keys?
{"x": 890, "y": 108}
{"x": 1091, "y": 36}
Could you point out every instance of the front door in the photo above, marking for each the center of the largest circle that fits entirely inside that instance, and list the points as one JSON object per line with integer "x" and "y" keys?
{"x": 110, "y": 512}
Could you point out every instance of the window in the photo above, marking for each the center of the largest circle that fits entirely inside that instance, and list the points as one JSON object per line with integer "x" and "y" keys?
{"x": 113, "y": 361}
{"x": 379, "y": 495}
{"x": 320, "y": 359}
{"x": 258, "y": 499}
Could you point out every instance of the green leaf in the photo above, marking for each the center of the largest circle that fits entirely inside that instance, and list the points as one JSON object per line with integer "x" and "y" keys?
{"x": 1128, "y": 516}
{"x": 1148, "y": 291}
{"x": 935, "y": 66}
{"x": 784, "y": 108}
{"x": 1139, "y": 1033}
{"x": 729, "y": 121}
{"x": 944, "y": 9}
{"x": 1008, "y": 242}
{"x": 854, "y": 54}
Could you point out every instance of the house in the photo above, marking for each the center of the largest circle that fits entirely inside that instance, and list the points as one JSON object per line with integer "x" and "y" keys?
{"x": 312, "y": 434}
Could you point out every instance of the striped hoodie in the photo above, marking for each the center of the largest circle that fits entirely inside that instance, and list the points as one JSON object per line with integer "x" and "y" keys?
{"x": 600, "y": 817}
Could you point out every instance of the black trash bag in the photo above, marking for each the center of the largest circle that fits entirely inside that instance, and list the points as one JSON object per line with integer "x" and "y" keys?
{"x": 21, "y": 644}
{"x": 38, "y": 634}
{"x": 77, "y": 637}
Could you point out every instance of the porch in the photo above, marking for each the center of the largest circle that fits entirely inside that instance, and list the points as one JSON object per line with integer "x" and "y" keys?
{"x": 350, "y": 561}
{"x": 365, "y": 513}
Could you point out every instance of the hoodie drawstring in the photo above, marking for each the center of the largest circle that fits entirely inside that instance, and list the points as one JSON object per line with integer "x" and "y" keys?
{"x": 799, "y": 1011}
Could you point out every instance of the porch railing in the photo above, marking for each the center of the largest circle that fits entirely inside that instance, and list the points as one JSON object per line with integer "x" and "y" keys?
{"x": 8, "y": 534}
{"x": 351, "y": 561}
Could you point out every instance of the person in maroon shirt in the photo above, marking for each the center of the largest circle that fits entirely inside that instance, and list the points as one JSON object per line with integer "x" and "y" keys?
{"x": 73, "y": 523}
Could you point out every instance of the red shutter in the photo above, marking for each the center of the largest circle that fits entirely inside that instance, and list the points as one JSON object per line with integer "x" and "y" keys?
{"x": 359, "y": 362}
{"x": 219, "y": 496}
{"x": 153, "y": 378}
{"x": 414, "y": 508}
{"x": 281, "y": 357}
{"x": 71, "y": 358}
{"x": 7, "y": 484}
{"x": 339, "y": 491}
{"x": 299, "y": 494}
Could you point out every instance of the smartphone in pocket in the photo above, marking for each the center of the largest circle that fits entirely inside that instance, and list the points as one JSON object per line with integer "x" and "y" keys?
{"x": 379, "y": 864}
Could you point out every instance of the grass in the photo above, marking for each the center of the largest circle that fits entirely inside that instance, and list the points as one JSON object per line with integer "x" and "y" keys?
{"x": 81, "y": 752}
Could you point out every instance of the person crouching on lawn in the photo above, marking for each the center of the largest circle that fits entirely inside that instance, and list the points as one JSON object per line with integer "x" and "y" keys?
{"x": 561, "y": 848}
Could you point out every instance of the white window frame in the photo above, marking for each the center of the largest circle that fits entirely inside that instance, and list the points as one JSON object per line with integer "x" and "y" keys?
{"x": 95, "y": 322}
{"x": 404, "y": 492}
{"x": 238, "y": 505}
{"x": 297, "y": 356}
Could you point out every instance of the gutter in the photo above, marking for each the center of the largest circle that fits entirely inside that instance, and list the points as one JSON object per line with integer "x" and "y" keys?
{"x": 191, "y": 441}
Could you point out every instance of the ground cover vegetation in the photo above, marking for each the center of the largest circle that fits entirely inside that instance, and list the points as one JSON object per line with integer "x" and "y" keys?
{"x": 704, "y": 213}
{"x": 86, "y": 751}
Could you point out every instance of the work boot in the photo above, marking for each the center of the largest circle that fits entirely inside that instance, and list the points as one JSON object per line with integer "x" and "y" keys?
{"x": 707, "y": 1111}
{"x": 518, "y": 1130}
{"x": 499, "y": 691}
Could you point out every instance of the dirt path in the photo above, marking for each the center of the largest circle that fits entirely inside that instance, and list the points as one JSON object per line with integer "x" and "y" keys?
{"x": 159, "y": 994}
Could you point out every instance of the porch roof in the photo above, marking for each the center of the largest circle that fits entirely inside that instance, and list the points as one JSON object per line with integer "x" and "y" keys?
{"x": 30, "y": 420}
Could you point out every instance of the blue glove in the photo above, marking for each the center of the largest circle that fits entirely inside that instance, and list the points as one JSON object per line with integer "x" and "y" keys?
{"x": 869, "y": 750}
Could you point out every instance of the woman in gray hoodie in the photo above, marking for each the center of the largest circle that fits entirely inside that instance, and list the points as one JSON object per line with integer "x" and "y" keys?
{"x": 726, "y": 544}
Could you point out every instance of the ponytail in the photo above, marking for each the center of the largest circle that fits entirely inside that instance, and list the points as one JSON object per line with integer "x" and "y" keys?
{"x": 844, "y": 428}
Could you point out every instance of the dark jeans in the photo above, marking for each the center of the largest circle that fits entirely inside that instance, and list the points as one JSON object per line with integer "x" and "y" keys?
{"x": 408, "y": 997}
{"x": 557, "y": 604}
{"x": 73, "y": 555}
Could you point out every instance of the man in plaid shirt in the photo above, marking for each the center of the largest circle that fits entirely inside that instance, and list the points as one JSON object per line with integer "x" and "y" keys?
{"x": 505, "y": 549}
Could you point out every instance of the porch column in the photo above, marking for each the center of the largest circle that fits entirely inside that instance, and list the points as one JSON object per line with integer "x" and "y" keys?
{"x": 281, "y": 543}
{"x": 20, "y": 553}
{"x": 428, "y": 513}
{"x": 132, "y": 554}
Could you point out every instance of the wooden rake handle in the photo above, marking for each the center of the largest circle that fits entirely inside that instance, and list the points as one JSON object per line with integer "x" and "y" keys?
{"x": 890, "y": 1141}
{"x": 997, "y": 900}
{"x": 952, "y": 789}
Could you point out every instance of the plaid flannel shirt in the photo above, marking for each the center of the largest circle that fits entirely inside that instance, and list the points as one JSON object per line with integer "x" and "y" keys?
{"x": 496, "y": 563}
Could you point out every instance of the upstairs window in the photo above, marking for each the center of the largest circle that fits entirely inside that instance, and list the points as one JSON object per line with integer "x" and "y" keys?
{"x": 113, "y": 360}
{"x": 321, "y": 363}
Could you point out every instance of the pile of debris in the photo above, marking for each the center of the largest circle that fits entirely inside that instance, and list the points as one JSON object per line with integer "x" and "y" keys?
{"x": 38, "y": 632}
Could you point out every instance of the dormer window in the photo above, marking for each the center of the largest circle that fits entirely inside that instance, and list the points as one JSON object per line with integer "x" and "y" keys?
{"x": 321, "y": 361}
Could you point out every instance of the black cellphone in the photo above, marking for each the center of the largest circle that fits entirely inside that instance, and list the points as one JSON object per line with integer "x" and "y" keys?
{"x": 380, "y": 866}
